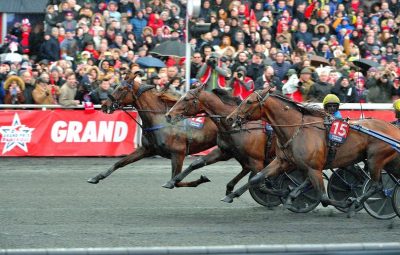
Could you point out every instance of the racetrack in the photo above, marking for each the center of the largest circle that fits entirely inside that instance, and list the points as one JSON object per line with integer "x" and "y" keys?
{"x": 46, "y": 202}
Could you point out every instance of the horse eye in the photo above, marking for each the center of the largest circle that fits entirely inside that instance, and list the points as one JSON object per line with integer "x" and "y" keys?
{"x": 249, "y": 102}
{"x": 186, "y": 99}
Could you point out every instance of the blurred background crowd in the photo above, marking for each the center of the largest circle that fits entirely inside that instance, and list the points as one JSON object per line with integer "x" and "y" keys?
{"x": 304, "y": 49}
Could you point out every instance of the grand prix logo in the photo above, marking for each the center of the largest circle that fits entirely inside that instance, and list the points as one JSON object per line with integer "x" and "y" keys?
{"x": 16, "y": 135}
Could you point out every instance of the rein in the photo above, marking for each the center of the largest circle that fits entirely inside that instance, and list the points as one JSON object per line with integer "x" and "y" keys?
{"x": 296, "y": 125}
{"x": 116, "y": 105}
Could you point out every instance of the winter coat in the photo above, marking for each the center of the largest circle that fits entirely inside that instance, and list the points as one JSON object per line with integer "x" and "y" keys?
{"x": 67, "y": 95}
{"x": 378, "y": 91}
{"x": 50, "y": 49}
{"x": 319, "y": 90}
{"x": 46, "y": 95}
{"x": 345, "y": 94}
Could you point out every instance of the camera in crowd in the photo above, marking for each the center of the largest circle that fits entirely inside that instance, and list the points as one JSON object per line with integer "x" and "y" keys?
{"x": 241, "y": 72}
{"x": 212, "y": 61}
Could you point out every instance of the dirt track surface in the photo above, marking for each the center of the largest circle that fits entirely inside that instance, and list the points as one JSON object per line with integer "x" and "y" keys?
{"x": 46, "y": 202}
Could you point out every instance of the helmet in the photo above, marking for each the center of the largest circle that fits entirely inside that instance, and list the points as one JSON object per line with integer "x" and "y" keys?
{"x": 396, "y": 105}
{"x": 331, "y": 99}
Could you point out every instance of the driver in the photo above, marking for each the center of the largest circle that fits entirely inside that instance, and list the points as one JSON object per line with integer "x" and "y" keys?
{"x": 396, "y": 107}
{"x": 331, "y": 105}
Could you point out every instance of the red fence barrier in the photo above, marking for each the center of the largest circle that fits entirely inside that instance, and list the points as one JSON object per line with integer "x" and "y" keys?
{"x": 66, "y": 133}
{"x": 78, "y": 133}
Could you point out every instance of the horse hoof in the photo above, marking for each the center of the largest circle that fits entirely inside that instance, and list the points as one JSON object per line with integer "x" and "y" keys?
{"x": 288, "y": 205}
{"x": 93, "y": 180}
{"x": 169, "y": 185}
{"x": 204, "y": 178}
{"x": 227, "y": 199}
{"x": 352, "y": 211}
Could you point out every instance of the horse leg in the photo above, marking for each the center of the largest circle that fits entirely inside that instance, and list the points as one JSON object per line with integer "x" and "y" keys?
{"x": 296, "y": 192}
{"x": 317, "y": 181}
{"x": 214, "y": 156}
{"x": 273, "y": 169}
{"x": 138, "y": 154}
{"x": 376, "y": 186}
{"x": 235, "y": 180}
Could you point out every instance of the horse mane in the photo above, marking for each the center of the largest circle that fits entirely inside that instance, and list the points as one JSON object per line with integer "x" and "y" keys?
{"x": 304, "y": 109}
{"x": 226, "y": 97}
{"x": 168, "y": 97}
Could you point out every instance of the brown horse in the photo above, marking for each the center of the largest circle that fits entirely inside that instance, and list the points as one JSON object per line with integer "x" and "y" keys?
{"x": 250, "y": 145}
{"x": 302, "y": 137}
{"x": 159, "y": 138}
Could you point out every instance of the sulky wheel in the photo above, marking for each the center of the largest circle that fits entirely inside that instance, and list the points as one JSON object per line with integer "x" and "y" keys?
{"x": 307, "y": 200}
{"x": 261, "y": 197}
{"x": 380, "y": 205}
{"x": 396, "y": 200}
{"x": 345, "y": 183}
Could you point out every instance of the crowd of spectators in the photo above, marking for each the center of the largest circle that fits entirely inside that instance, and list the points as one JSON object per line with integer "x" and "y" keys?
{"x": 304, "y": 49}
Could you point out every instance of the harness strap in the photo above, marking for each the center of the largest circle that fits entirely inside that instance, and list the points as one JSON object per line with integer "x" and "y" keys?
{"x": 288, "y": 142}
{"x": 150, "y": 129}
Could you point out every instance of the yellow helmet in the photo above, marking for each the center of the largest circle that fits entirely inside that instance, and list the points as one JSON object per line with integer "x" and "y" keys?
{"x": 396, "y": 105}
{"x": 331, "y": 99}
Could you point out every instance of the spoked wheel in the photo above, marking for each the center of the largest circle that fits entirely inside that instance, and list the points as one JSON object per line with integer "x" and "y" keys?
{"x": 396, "y": 200}
{"x": 307, "y": 200}
{"x": 346, "y": 183}
{"x": 380, "y": 205}
{"x": 263, "y": 198}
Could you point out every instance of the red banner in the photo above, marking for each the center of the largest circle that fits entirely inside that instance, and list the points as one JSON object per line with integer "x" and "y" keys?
{"x": 386, "y": 115}
{"x": 78, "y": 133}
{"x": 66, "y": 133}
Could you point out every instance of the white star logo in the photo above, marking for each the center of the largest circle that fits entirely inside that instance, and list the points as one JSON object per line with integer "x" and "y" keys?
{"x": 16, "y": 135}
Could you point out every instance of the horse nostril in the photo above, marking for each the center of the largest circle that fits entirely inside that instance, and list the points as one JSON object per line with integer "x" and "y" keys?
{"x": 168, "y": 118}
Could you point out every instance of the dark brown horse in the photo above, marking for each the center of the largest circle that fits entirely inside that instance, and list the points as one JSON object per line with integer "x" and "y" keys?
{"x": 250, "y": 145}
{"x": 159, "y": 138}
{"x": 302, "y": 137}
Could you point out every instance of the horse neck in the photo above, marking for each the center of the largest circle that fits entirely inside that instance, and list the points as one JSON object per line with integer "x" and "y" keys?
{"x": 151, "y": 108}
{"x": 212, "y": 105}
{"x": 278, "y": 113}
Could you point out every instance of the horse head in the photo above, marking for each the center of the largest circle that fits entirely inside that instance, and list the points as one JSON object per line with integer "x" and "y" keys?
{"x": 124, "y": 94}
{"x": 188, "y": 105}
{"x": 249, "y": 109}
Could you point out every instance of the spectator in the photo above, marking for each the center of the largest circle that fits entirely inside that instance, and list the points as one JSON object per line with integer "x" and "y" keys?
{"x": 280, "y": 65}
{"x": 379, "y": 88}
{"x": 45, "y": 93}
{"x": 100, "y": 94}
{"x": 69, "y": 46}
{"x": 320, "y": 88}
{"x": 139, "y": 23}
{"x": 213, "y": 73}
{"x": 345, "y": 91}
{"x": 195, "y": 65}
{"x": 241, "y": 84}
{"x": 50, "y": 48}
{"x": 29, "y": 86}
{"x": 256, "y": 67}
{"x": 14, "y": 90}
{"x": 268, "y": 79}
{"x": 68, "y": 91}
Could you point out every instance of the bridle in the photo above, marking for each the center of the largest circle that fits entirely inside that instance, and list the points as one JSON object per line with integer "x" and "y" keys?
{"x": 195, "y": 102}
{"x": 260, "y": 102}
{"x": 116, "y": 105}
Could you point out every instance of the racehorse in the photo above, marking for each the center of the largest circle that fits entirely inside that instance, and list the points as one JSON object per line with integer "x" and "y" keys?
{"x": 302, "y": 137}
{"x": 250, "y": 145}
{"x": 159, "y": 138}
